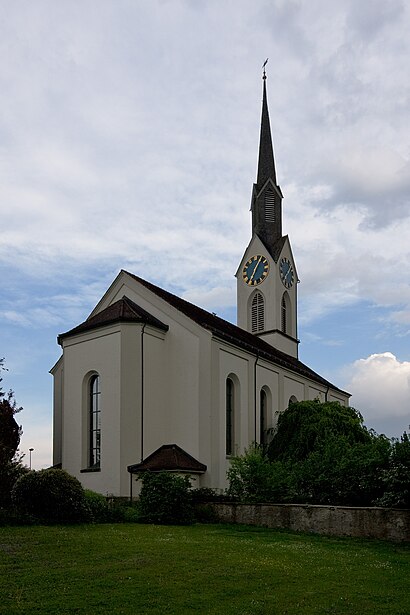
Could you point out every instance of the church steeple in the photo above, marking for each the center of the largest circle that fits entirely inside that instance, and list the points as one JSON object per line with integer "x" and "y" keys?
{"x": 266, "y": 162}
{"x": 267, "y": 196}
{"x": 267, "y": 277}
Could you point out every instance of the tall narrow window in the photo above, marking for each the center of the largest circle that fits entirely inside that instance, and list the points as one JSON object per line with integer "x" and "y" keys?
{"x": 230, "y": 392}
{"x": 263, "y": 417}
{"x": 284, "y": 316}
{"x": 270, "y": 214}
{"x": 257, "y": 313}
{"x": 95, "y": 423}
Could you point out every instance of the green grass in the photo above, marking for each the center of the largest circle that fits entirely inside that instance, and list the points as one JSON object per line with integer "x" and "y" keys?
{"x": 137, "y": 569}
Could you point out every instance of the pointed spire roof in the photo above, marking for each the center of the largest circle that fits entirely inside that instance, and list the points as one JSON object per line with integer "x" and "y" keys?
{"x": 266, "y": 163}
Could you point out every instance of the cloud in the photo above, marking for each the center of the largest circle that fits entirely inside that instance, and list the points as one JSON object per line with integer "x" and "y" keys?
{"x": 129, "y": 140}
{"x": 380, "y": 387}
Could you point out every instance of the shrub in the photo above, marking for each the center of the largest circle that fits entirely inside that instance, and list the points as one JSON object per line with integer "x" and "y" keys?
{"x": 129, "y": 513}
{"x": 252, "y": 478}
{"x": 9, "y": 474}
{"x": 165, "y": 498}
{"x": 51, "y": 496}
{"x": 396, "y": 478}
{"x": 99, "y": 508}
{"x": 115, "y": 510}
{"x": 11, "y": 516}
{"x": 205, "y": 513}
{"x": 206, "y": 494}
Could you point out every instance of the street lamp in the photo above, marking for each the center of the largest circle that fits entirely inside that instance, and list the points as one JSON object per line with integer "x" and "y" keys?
{"x": 30, "y": 451}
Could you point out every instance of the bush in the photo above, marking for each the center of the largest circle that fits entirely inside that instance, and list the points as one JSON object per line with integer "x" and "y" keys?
{"x": 252, "y": 478}
{"x": 165, "y": 498}
{"x": 396, "y": 478}
{"x": 115, "y": 510}
{"x": 9, "y": 474}
{"x": 98, "y": 506}
{"x": 205, "y": 513}
{"x": 11, "y": 516}
{"x": 336, "y": 472}
{"x": 206, "y": 494}
{"x": 52, "y": 496}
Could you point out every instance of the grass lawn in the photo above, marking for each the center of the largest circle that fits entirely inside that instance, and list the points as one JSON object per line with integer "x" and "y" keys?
{"x": 216, "y": 569}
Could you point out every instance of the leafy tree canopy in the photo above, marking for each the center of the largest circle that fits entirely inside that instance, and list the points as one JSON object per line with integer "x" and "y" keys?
{"x": 308, "y": 426}
{"x": 10, "y": 431}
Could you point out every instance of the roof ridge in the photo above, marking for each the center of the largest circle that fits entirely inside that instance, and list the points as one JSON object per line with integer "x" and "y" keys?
{"x": 232, "y": 333}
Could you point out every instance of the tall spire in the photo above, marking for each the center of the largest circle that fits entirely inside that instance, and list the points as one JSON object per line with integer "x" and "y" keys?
{"x": 266, "y": 163}
{"x": 266, "y": 196}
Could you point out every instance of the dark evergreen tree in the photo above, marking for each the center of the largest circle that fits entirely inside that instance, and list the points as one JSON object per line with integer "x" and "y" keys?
{"x": 10, "y": 434}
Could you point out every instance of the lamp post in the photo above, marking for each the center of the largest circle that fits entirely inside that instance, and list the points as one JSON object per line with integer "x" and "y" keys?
{"x": 30, "y": 451}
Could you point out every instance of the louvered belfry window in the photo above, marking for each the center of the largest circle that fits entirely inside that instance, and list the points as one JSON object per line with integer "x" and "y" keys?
{"x": 270, "y": 214}
{"x": 258, "y": 313}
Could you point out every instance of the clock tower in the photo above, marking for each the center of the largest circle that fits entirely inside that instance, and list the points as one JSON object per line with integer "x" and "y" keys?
{"x": 266, "y": 277}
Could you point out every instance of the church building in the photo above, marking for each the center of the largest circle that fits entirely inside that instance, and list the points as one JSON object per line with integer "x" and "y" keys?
{"x": 152, "y": 382}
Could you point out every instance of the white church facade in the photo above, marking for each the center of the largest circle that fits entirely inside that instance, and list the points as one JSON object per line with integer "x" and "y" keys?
{"x": 151, "y": 381}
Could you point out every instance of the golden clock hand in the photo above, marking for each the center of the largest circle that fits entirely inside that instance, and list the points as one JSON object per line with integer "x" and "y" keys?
{"x": 254, "y": 271}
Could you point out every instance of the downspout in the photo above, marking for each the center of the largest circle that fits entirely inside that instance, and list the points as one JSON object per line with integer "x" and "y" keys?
{"x": 142, "y": 391}
{"x": 327, "y": 392}
{"x": 254, "y": 390}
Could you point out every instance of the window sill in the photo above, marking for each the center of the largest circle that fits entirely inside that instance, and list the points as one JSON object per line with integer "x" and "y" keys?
{"x": 90, "y": 470}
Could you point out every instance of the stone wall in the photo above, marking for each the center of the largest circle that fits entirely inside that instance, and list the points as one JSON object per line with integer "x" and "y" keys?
{"x": 381, "y": 523}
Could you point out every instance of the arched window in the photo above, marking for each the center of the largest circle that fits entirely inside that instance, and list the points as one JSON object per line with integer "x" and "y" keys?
{"x": 292, "y": 400}
{"x": 229, "y": 410}
{"x": 283, "y": 315}
{"x": 257, "y": 313}
{"x": 263, "y": 417}
{"x": 95, "y": 422}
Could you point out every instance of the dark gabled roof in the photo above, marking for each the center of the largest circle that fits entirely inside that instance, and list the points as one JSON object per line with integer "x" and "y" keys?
{"x": 123, "y": 310}
{"x": 170, "y": 458}
{"x": 235, "y": 335}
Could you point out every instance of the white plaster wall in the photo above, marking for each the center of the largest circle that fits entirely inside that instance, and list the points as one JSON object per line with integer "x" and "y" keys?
{"x": 334, "y": 396}
{"x": 315, "y": 392}
{"x": 237, "y": 365}
{"x": 292, "y": 386}
{"x": 99, "y": 352}
{"x": 129, "y": 402}
{"x": 267, "y": 288}
{"x": 58, "y": 375}
{"x": 172, "y": 371}
{"x": 272, "y": 290}
{"x": 172, "y": 391}
{"x": 268, "y": 378}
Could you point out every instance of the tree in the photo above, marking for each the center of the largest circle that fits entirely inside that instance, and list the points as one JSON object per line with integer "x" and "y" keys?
{"x": 307, "y": 426}
{"x": 10, "y": 434}
{"x": 396, "y": 478}
{"x": 334, "y": 458}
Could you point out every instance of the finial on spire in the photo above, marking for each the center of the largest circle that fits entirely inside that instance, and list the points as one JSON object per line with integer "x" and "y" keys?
{"x": 264, "y": 71}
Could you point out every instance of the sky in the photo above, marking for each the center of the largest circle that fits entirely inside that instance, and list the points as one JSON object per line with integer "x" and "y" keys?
{"x": 129, "y": 135}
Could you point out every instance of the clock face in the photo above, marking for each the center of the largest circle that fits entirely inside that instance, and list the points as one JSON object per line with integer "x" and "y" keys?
{"x": 286, "y": 272}
{"x": 255, "y": 271}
